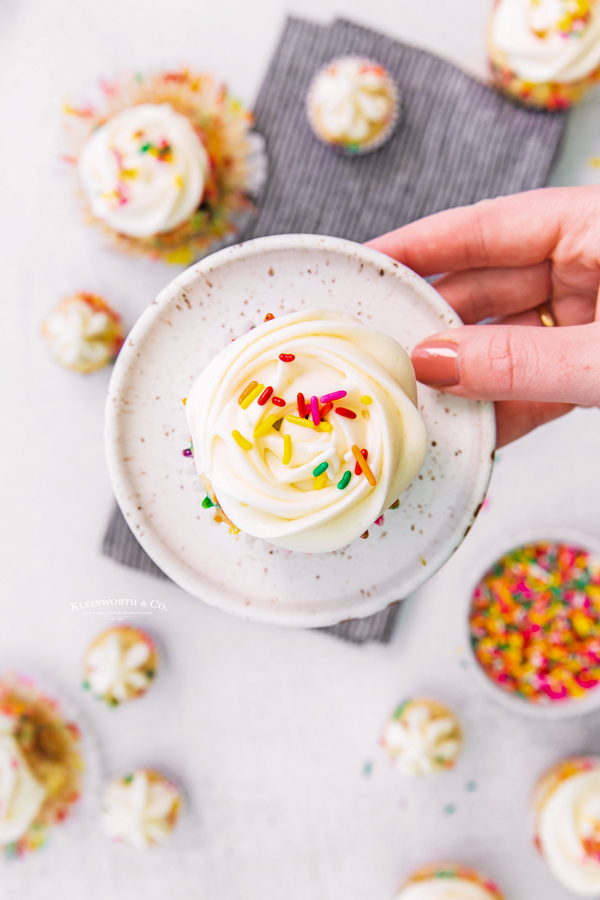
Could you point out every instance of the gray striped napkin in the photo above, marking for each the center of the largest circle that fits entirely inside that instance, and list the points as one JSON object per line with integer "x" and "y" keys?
{"x": 458, "y": 141}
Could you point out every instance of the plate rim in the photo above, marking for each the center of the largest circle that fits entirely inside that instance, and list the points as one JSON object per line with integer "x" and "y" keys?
{"x": 117, "y": 468}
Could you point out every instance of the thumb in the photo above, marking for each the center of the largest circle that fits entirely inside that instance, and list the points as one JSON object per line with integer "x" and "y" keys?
{"x": 514, "y": 362}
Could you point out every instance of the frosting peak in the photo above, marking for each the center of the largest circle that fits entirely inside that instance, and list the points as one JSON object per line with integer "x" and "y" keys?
{"x": 21, "y": 795}
{"x": 144, "y": 170}
{"x": 140, "y": 809}
{"x": 422, "y": 737}
{"x": 438, "y": 888}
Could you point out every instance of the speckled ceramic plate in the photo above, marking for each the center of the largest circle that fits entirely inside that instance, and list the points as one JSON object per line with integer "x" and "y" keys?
{"x": 156, "y": 486}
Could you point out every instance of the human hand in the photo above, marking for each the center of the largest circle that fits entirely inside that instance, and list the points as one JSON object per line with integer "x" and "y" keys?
{"x": 503, "y": 259}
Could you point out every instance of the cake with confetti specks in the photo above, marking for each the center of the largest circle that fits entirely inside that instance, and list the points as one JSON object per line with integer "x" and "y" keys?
{"x": 545, "y": 53}
{"x": 120, "y": 664}
{"x": 449, "y": 881}
{"x": 306, "y": 429}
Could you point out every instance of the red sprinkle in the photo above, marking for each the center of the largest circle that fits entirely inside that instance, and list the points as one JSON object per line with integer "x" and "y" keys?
{"x": 265, "y": 396}
{"x": 287, "y": 357}
{"x": 301, "y": 405}
{"x": 357, "y": 468}
{"x": 325, "y": 410}
{"x": 278, "y": 401}
{"x": 347, "y": 413}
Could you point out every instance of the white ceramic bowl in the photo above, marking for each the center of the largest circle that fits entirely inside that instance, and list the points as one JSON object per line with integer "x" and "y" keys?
{"x": 146, "y": 432}
{"x": 487, "y": 555}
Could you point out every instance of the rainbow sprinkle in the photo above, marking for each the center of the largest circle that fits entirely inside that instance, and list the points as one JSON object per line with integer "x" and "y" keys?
{"x": 344, "y": 480}
{"x": 320, "y": 481}
{"x": 241, "y": 440}
{"x": 336, "y": 395}
{"x": 298, "y": 420}
{"x": 251, "y": 397}
{"x": 364, "y": 465}
{"x": 246, "y": 392}
{"x": 325, "y": 426}
{"x": 264, "y": 427}
{"x": 535, "y": 622}
{"x": 287, "y": 449}
{"x": 320, "y": 469}
{"x": 346, "y": 413}
{"x": 366, "y": 400}
{"x": 314, "y": 411}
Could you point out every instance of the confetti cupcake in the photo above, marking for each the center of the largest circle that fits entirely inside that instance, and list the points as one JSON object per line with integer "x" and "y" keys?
{"x": 449, "y": 881}
{"x": 168, "y": 164}
{"x": 353, "y": 105}
{"x": 534, "y": 625}
{"x": 141, "y": 809}
{"x": 41, "y": 766}
{"x": 422, "y": 737}
{"x": 83, "y": 333}
{"x": 567, "y": 823}
{"x": 306, "y": 429}
{"x": 120, "y": 665}
{"x": 545, "y": 53}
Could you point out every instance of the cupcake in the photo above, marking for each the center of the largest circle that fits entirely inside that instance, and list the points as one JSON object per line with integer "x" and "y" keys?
{"x": 567, "y": 823}
{"x": 546, "y": 53}
{"x": 535, "y": 623}
{"x": 449, "y": 881}
{"x": 168, "y": 164}
{"x": 41, "y": 767}
{"x": 422, "y": 737}
{"x": 120, "y": 664}
{"x": 306, "y": 429}
{"x": 353, "y": 105}
{"x": 141, "y": 809}
{"x": 83, "y": 333}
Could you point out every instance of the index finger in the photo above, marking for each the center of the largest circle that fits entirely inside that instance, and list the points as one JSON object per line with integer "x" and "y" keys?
{"x": 518, "y": 230}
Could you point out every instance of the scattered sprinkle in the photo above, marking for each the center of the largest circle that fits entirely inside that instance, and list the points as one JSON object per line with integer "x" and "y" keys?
{"x": 301, "y": 405}
{"x": 246, "y": 392}
{"x": 367, "y": 768}
{"x": 336, "y": 395}
{"x": 357, "y": 468}
{"x": 325, "y": 426}
{"x": 325, "y": 410}
{"x": 297, "y": 420}
{"x": 287, "y": 357}
{"x": 449, "y": 809}
{"x": 471, "y": 786}
{"x": 254, "y": 393}
{"x": 322, "y": 467}
{"x": 265, "y": 396}
{"x": 207, "y": 503}
{"x": 346, "y": 413}
{"x": 366, "y": 400}
{"x": 287, "y": 449}
{"x": 364, "y": 465}
{"x": 184, "y": 401}
{"x": 241, "y": 440}
{"x": 314, "y": 411}
{"x": 344, "y": 480}
{"x": 320, "y": 481}
{"x": 278, "y": 401}
{"x": 395, "y": 504}
{"x": 264, "y": 427}
{"x": 379, "y": 521}
{"x": 269, "y": 316}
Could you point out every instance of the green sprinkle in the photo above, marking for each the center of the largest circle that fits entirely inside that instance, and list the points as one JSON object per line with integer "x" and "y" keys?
{"x": 85, "y": 685}
{"x": 320, "y": 469}
{"x": 343, "y": 482}
{"x": 398, "y": 712}
{"x": 207, "y": 503}
{"x": 127, "y": 779}
{"x": 145, "y": 147}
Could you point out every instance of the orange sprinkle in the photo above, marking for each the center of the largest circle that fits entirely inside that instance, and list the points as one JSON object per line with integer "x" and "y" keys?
{"x": 364, "y": 465}
{"x": 245, "y": 393}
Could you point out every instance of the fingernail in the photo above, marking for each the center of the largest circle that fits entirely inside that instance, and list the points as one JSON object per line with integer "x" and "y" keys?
{"x": 437, "y": 363}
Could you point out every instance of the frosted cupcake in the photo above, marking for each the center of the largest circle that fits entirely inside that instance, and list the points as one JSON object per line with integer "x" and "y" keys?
{"x": 168, "y": 164}
{"x": 41, "y": 767}
{"x": 141, "y": 809}
{"x": 545, "y": 53}
{"x": 449, "y": 881}
{"x": 422, "y": 737}
{"x": 567, "y": 823}
{"x": 353, "y": 105}
{"x": 120, "y": 665}
{"x": 306, "y": 429}
{"x": 83, "y": 333}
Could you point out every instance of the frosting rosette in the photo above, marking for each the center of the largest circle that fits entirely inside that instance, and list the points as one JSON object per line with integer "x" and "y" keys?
{"x": 141, "y": 809}
{"x": 449, "y": 881}
{"x": 306, "y": 429}
{"x": 422, "y": 737}
{"x": 144, "y": 170}
{"x": 21, "y": 795}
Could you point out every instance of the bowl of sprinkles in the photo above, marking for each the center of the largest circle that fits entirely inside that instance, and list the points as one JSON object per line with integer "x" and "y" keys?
{"x": 534, "y": 624}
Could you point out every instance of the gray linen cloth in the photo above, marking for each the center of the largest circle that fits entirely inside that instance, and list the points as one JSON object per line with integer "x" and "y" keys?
{"x": 458, "y": 141}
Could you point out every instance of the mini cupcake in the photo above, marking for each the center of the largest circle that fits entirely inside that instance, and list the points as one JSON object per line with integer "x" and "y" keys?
{"x": 353, "y": 105}
{"x": 449, "y": 881}
{"x": 83, "y": 333}
{"x": 141, "y": 809}
{"x": 41, "y": 766}
{"x": 120, "y": 665}
{"x": 567, "y": 823}
{"x": 422, "y": 737}
{"x": 545, "y": 53}
{"x": 168, "y": 164}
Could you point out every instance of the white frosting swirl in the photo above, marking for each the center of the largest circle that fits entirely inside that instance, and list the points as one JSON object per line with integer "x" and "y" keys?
{"x": 421, "y": 741}
{"x": 279, "y": 503}
{"x": 138, "y": 810}
{"x": 350, "y": 97}
{"x": 543, "y": 43}
{"x": 21, "y": 795}
{"x": 81, "y": 335}
{"x": 445, "y": 889}
{"x": 568, "y": 819}
{"x": 144, "y": 170}
{"x": 115, "y": 670}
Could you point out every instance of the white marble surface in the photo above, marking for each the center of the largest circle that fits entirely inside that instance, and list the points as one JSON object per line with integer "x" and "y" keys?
{"x": 268, "y": 730}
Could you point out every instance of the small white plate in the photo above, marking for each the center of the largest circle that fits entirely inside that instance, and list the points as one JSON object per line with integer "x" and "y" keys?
{"x": 486, "y": 556}
{"x": 146, "y": 434}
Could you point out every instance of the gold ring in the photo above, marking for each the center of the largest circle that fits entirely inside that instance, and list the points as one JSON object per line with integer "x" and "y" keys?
{"x": 546, "y": 315}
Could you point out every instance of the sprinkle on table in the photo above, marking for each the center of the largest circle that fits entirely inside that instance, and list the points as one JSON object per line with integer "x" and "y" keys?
{"x": 336, "y": 395}
{"x": 301, "y": 404}
{"x": 364, "y": 465}
{"x": 264, "y": 427}
{"x": 265, "y": 396}
{"x": 344, "y": 480}
{"x": 297, "y": 420}
{"x": 287, "y": 449}
{"x": 278, "y": 401}
{"x": 535, "y": 622}
{"x": 314, "y": 411}
{"x": 184, "y": 401}
{"x": 241, "y": 440}
{"x": 322, "y": 467}
{"x": 366, "y": 400}
{"x": 346, "y": 413}
{"x": 287, "y": 357}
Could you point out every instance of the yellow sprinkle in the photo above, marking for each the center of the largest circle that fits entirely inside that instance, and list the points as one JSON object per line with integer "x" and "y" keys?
{"x": 594, "y": 162}
{"x": 241, "y": 440}
{"x": 184, "y": 401}
{"x": 265, "y": 426}
{"x": 320, "y": 481}
{"x": 296, "y": 420}
{"x": 325, "y": 426}
{"x": 366, "y": 400}
{"x": 287, "y": 449}
{"x": 178, "y": 181}
{"x": 252, "y": 396}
